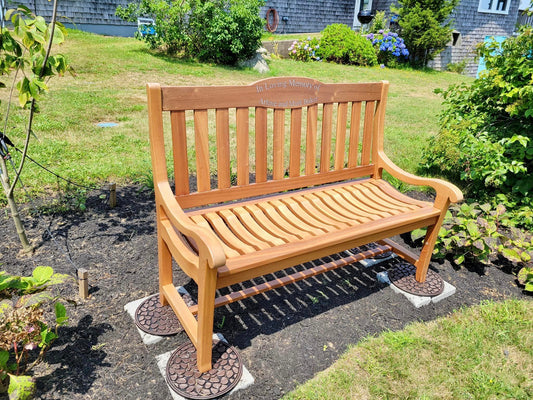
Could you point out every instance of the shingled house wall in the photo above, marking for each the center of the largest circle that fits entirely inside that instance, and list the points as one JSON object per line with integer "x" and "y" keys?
{"x": 96, "y": 16}
{"x": 310, "y": 15}
{"x": 471, "y": 27}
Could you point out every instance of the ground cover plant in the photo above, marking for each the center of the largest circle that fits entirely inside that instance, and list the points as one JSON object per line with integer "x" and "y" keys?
{"x": 481, "y": 352}
{"x": 25, "y": 331}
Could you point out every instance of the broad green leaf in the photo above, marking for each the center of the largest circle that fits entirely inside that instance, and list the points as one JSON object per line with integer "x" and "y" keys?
{"x": 61, "y": 314}
{"x": 485, "y": 207}
{"x": 511, "y": 255}
{"x": 20, "y": 387}
{"x": 472, "y": 228}
{"x": 29, "y": 300}
{"x": 418, "y": 233}
{"x": 478, "y": 244}
{"x": 42, "y": 274}
{"x": 529, "y": 287}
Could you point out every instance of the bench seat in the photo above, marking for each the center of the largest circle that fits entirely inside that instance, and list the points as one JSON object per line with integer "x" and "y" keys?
{"x": 264, "y": 232}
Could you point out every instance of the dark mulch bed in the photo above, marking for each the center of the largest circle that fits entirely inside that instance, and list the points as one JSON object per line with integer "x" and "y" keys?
{"x": 284, "y": 336}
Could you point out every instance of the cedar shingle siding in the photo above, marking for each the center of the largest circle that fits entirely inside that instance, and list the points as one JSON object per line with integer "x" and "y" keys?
{"x": 90, "y": 15}
{"x": 310, "y": 15}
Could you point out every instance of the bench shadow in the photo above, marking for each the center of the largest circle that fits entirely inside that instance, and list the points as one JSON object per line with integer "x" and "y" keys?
{"x": 76, "y": 358}
{"x": 276, "y": 309}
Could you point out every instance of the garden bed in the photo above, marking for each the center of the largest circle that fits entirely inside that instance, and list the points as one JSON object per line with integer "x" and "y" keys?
{"x": 300, "y": 331}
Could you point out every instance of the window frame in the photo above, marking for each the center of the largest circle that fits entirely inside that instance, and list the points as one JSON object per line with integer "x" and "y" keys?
{"x": 493, "y": 9}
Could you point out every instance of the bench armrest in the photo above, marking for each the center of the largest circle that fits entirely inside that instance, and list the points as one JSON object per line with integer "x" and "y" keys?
{"x": 444, "y": 190}
{"x": 209, "y": 246}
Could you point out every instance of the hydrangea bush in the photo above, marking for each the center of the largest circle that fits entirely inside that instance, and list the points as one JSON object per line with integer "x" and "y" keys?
{"x": 389, "y": 46}
{"x": 305, "y": 50}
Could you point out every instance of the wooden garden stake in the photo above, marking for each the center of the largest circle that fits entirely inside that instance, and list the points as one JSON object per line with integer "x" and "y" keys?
{"x": 83, "y": 283}
{"x": 112, "y": 195}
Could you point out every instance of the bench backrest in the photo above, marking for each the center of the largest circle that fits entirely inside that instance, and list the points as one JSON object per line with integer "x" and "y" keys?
{"x": 273, "y": 135}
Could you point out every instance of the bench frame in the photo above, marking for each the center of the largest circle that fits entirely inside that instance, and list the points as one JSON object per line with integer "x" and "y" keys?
{"x": 197, "y": 249}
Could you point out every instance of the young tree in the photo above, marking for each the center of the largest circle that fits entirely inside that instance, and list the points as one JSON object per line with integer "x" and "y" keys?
{"x": 25, "y": 53}
{"x": 426, "y": 27}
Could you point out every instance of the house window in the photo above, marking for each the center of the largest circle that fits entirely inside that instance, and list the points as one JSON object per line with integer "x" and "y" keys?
{"x": 494, "y": 6}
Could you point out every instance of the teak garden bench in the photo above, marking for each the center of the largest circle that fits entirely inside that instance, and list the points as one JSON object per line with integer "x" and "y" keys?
{"x": 288, "y": 170}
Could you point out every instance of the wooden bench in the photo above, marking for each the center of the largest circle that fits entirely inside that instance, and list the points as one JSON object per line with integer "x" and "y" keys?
{"x": 288, "y": 170}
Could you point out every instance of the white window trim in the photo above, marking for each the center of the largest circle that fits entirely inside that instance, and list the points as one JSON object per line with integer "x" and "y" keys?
{"x": 490, "y": 11}
{"x": 356, "y": 23}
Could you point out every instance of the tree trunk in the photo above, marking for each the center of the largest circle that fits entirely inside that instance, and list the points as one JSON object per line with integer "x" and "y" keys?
{"x": 15, "y": 213}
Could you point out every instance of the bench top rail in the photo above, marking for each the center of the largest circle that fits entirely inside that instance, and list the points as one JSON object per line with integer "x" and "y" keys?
{"x": 273, "y": 135}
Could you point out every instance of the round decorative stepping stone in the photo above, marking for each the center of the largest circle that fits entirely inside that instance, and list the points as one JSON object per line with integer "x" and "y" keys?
{"x": 185, "y": 379}
{"x": 155, "y": 319}
{"x": 403, "y": 277}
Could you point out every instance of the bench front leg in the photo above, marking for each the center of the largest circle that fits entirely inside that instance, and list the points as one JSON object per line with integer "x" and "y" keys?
{"x": 207, "y": 284}
{"x": 165, "y": 267}
{"x": 422, "y": 264}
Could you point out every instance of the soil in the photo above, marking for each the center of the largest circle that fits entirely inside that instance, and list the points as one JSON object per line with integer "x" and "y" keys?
{"x": 284, "y": 337}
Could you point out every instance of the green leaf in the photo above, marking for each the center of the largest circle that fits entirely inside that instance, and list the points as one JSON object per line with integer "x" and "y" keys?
{"x": 529, "y": 287}
{"x": 472, "y": 228}
{"x": 511, "y": 255}
{"x": 4, "y": 358}
{"x": 418, "y": 233}
{"x": 42, "y": 275}
{"x": 20, "y": 387}
{"x": 35, "y": 299}
{"x": 459, "y": 260}
{"x": 61, "y": 314}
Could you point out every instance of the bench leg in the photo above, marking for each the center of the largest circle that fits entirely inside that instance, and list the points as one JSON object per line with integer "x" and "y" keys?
{"x": 165, "y": 268}
{"x": 206, "y": 312}
{"x": 422, "y": 264}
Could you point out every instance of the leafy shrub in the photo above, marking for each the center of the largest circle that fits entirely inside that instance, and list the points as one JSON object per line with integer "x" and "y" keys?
{"x": 225, "y": 31}
{"x": 458, "y": 67}
{"x": 305, "y": 50}
{"x": 486, "y": 136}
{"x": 379, "y": 22}
{"x": 426, "y": 27}
{"x": 481, "y": 233}
{"x": 389, "y": 46}
{"x": 222, "y": 31}
{"x": 340, "y": 44}
{"x": 25, "y": 334}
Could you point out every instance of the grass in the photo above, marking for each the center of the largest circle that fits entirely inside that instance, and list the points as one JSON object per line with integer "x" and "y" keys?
{"x": 111, "y": 74}
{"x": 482, "y": 352}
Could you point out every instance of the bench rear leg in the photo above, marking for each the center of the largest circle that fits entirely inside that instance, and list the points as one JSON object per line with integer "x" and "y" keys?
{"x": 206, "y": 312}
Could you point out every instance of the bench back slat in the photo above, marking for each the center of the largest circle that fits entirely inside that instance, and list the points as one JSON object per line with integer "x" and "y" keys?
{"x": 181, "y": 160}
{"x": 243, "y": 140}
{"x": 295, "y": 142}
{"x": 340, "y": 145}
{"x": 353, "y": 147}
{"x": 311, "y": 139}
{"x": 273, "y": 135}
{"x": 223, "y": 148}
{"x": 260, "y": 144}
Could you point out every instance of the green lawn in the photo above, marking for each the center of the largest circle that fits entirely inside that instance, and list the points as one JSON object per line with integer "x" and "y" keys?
{"x": 482, "y": 352}
{"x": 111, "y": 74}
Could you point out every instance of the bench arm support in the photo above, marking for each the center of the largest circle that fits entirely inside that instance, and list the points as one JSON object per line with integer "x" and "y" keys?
{"x": 209, "y": 247}
{"x": 444, "y": 190}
